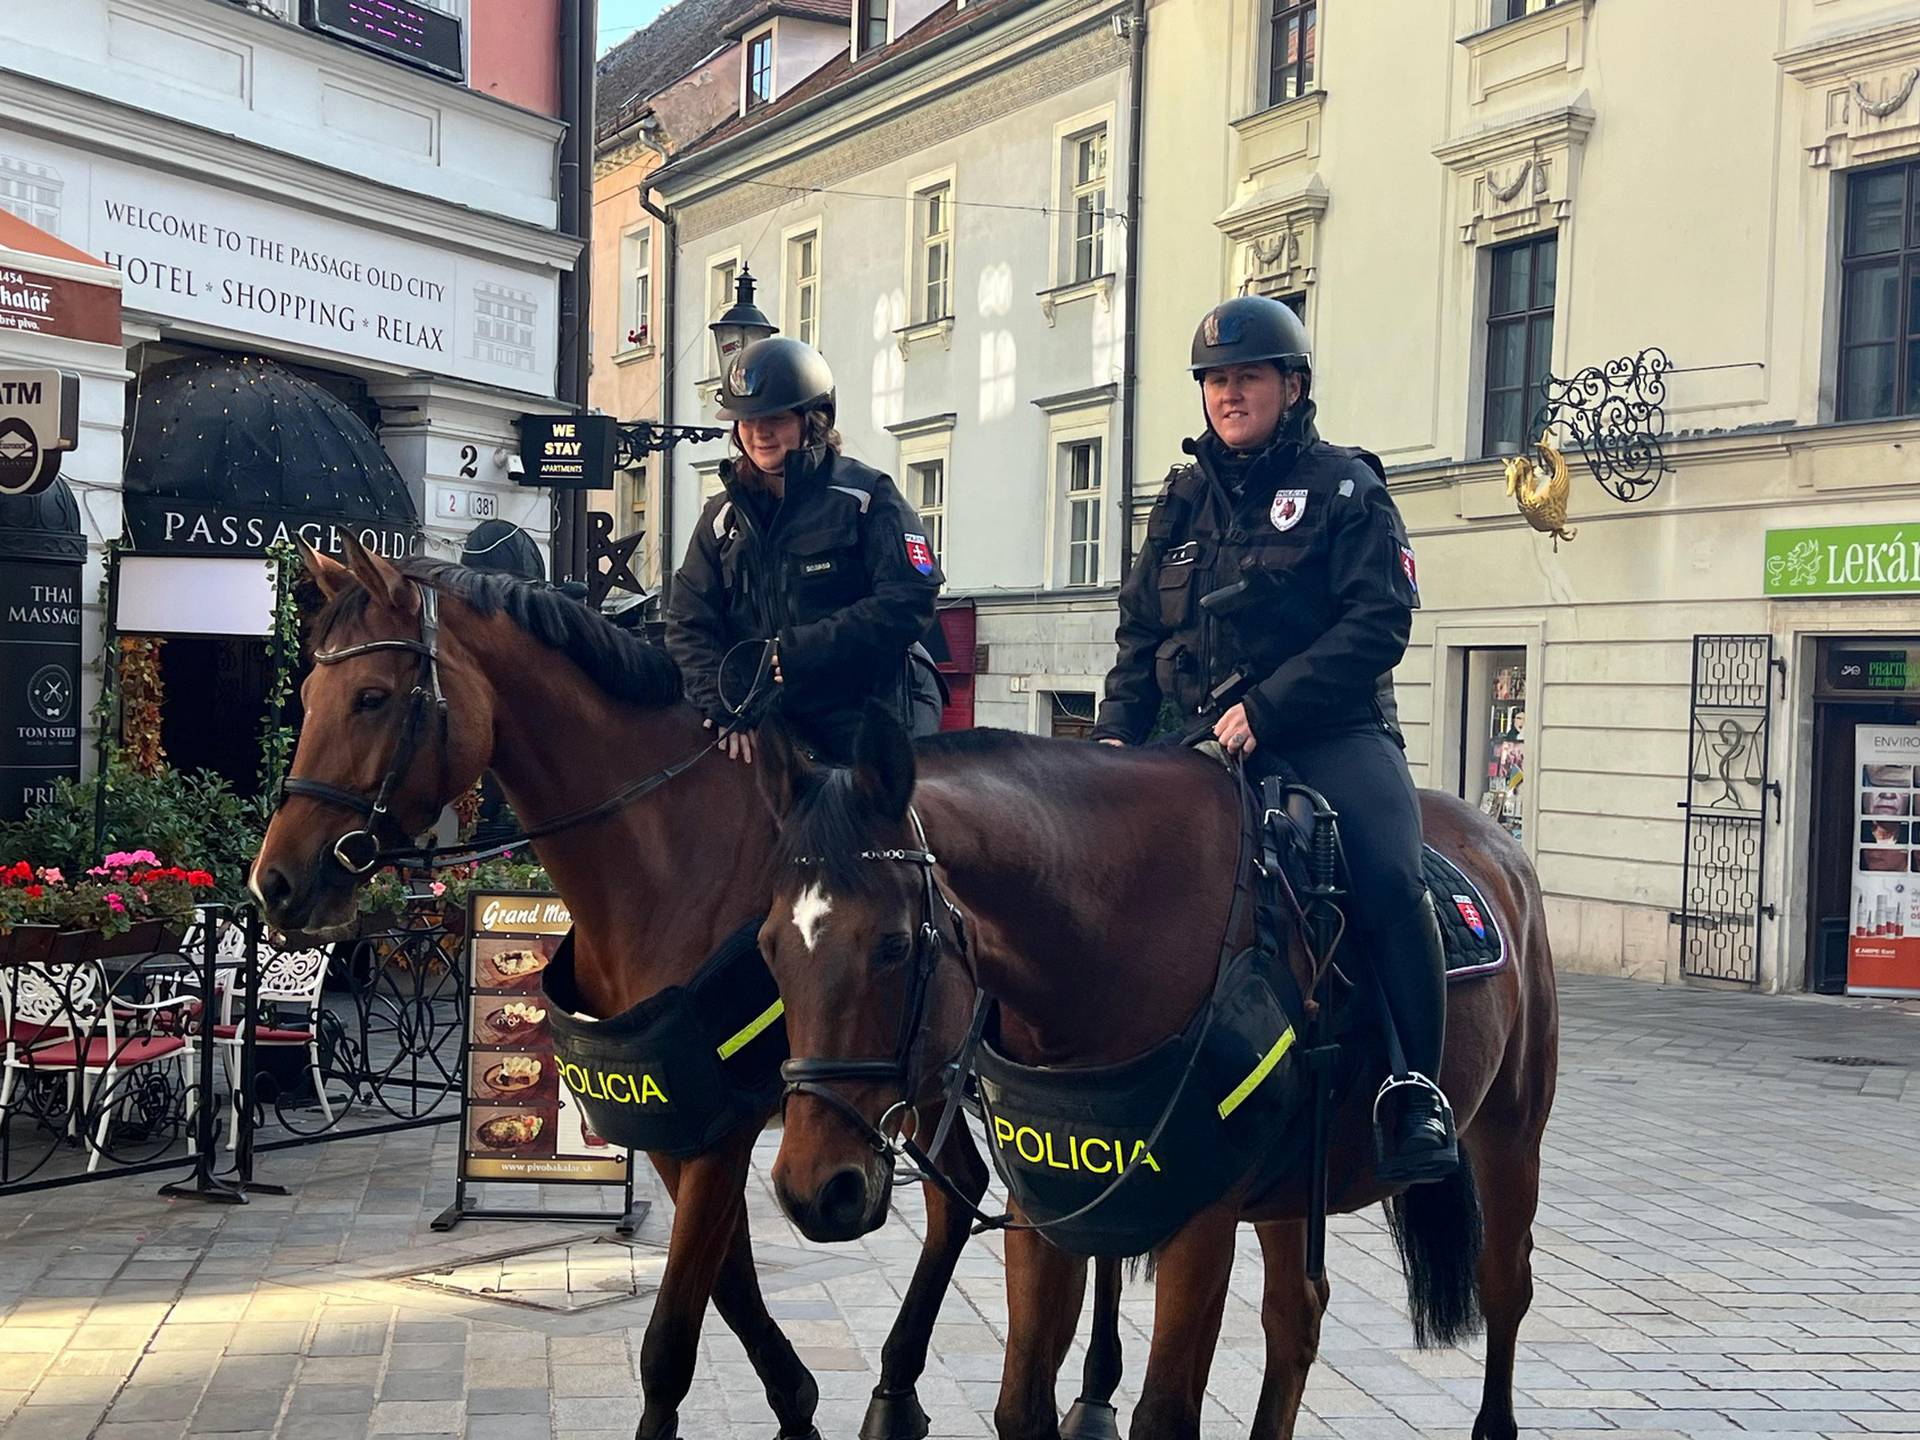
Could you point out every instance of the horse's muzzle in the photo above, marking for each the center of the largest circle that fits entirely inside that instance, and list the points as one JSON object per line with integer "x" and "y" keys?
{"x": 852, "y": 1202}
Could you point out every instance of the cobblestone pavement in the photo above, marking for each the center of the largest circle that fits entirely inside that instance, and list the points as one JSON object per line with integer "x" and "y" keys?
{"x": 1730, "y": 1242}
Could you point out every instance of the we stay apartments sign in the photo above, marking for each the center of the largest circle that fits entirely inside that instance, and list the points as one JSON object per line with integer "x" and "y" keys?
{"x": 1844, "y": 560}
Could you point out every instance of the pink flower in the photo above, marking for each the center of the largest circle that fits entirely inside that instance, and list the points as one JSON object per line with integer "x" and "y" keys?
{"x": 52, "y": 876}
{"x": 127, "y": 859}
{"x": 115, "y": 903}
{"x": 437, "y": 888}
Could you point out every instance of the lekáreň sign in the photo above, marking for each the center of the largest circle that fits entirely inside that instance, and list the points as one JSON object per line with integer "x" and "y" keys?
{"x": 39, "y": 421}
{"x": 1844, "y": 560}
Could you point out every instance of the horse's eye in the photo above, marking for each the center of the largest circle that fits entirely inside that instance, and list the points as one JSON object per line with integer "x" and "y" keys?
{"x": 369, "y": 700}
{"x": 893, "y": 949}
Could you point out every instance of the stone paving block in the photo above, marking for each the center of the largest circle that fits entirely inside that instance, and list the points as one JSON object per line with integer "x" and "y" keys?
{"x": 423, "y": 1385}
{"x": 507, "y": 1402}
{"x": 237, "y": 1410}
{"x": 418, "y": 1417}
{"x": 53, "y": 1422}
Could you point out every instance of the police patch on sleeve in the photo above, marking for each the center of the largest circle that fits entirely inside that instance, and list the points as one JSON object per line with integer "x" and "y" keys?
{"x": 918, "y": 554}
{"x": 1288, "y": 508}
{"x": 1407, "y": 566}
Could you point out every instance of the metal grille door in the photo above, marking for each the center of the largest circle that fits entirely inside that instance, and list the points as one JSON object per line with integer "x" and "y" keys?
{"x": 1726, "y": 805}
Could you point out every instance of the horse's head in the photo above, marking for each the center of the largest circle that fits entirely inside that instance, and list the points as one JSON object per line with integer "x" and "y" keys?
{"x": 380, "y": 752}
{"x": 847, "y": 943}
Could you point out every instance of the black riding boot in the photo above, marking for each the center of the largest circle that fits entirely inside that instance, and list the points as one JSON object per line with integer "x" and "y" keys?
{"x": 1413, "y": 1124}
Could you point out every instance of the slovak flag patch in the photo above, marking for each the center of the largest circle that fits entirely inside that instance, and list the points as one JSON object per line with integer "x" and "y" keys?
{"x": 919, "y": 555}
{"x": 1406, "y": 564}
{"x": 1470, "y": 913}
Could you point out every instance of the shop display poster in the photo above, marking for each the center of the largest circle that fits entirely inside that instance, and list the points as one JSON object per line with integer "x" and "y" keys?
{"x": 1883, "y": 935}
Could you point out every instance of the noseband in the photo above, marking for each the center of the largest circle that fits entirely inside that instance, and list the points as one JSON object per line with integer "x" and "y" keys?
{"x": 817, "y": 1077}
{"x": 359, "y": 851}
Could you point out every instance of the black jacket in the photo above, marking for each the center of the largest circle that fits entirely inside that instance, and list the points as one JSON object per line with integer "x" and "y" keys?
{"x": 839, "y": 571}
{"x": 1323, "y": 615}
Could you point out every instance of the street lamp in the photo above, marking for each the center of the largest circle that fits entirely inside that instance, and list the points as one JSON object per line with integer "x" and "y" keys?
{"x": 741, "y": 325}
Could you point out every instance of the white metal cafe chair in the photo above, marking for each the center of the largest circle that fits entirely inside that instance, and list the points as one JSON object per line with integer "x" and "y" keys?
{"x": 64, "y": 1020}
{"x": 290, "y": 981}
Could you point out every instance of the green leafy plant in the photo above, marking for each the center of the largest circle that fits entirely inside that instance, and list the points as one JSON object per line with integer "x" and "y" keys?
{"x": 186, "y": 818}
{"x": 450, "y": 888}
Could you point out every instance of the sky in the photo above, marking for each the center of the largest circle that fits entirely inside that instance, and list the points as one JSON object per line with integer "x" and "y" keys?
{"x": 620, "y": 18}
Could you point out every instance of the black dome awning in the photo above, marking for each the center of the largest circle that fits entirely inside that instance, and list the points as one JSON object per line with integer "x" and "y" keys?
{"x": 45, "y": 526}
{"x": 500, "y": 545}
{"x": 230, "y": 452}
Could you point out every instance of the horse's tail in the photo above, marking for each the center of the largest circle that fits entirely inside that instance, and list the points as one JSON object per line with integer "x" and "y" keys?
{"x": 1436, "y": 1229}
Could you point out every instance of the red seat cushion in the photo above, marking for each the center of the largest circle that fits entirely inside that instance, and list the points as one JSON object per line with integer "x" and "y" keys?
{"x": 266, "y": 1035}
{"x": 25, "y": 1033}
{"x": 99, "y": 1053}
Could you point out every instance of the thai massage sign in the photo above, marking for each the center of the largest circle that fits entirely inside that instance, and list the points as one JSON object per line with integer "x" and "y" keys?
{"x": 39, "y": 419}
{"x": 1844, "y": 560}
{"x": 192, "y": 251}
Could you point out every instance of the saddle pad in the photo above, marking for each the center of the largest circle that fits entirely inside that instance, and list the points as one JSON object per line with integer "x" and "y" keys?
{"x": 1474, "y": 943}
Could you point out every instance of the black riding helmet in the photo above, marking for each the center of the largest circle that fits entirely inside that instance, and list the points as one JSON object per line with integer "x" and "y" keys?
{"x": 773, "y": 375}
{"x": 1249, "y": 329}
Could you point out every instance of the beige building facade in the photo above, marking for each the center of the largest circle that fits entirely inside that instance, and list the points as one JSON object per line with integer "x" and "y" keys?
{"x": 1466, "y": 196}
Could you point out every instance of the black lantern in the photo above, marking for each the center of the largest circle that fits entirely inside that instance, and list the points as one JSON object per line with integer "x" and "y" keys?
{"x": 741, "y": 325}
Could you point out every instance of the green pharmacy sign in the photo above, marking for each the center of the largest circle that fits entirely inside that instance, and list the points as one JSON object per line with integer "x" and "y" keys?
{"x": 1844, "y": 560}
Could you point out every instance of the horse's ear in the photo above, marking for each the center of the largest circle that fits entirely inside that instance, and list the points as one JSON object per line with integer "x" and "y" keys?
{"x": 386, "y": 584}
{"x": 329, "y": 574}
{"x": 883, "y": 763}
{"x": 783, "y": 769}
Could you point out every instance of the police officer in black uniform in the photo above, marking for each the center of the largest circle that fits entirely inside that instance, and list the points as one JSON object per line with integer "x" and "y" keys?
{"x": 812, "y": 551}
{"x": 1274, "y": 595}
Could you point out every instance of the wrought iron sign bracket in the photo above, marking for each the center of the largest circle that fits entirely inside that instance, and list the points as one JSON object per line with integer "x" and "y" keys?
{"x": 641, "y": 438}
{"x": 1779, "y": 664}
{"x": 1615, "y": 414}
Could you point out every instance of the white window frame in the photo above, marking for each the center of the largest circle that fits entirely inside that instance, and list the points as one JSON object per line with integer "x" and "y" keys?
{"x": 746, "y": 68}
{"x": 636, "y": 265}
{"x": 791, "y": 283}
{"x": 1066, "y": 429}
{"x": 919, "y": 246}
{"x": 857, "y": 50}
{"x": 716, "y": 262}
{"x": 706, "y": 477}
{"x": 1439, "y": 766}
{"x": 1067, "y": 135}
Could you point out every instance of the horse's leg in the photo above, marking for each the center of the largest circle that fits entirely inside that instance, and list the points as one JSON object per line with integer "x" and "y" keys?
{"x": 1189, "y": 1297}
{"x": 1092, "y": 1416}
{"x": 1044, "y": 1289}
{"x": 895, "y": 1412}
{"x": 709, "y": 1194}
{"x": 1506, "y": 1167}
{"x": 1290, "y": 1311}
{"x": 791, "y": 1389}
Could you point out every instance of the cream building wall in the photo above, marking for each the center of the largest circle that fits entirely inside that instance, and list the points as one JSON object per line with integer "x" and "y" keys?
{"x": 1692, "y": 160}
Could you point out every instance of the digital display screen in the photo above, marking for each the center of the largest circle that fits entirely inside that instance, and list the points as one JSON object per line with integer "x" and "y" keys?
{"x": 403, "y": 30}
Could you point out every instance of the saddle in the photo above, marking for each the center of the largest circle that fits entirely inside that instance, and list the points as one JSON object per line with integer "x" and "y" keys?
{"x": 1474, "y": 944}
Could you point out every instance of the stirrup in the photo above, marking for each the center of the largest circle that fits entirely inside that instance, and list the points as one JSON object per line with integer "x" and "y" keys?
{"x": 1435, "y": 1163}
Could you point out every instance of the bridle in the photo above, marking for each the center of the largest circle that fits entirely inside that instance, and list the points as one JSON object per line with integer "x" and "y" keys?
{"x": 817, "y": 1078}
{"x": 359, "y": 852}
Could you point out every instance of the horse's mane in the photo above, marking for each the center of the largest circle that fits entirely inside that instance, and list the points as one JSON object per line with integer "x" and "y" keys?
{"x": 829, "y": 825}
{"x": 619, "y": 662}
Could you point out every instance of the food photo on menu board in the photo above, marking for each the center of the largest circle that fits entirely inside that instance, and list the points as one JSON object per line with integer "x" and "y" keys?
{"x": 522, "y": 1122}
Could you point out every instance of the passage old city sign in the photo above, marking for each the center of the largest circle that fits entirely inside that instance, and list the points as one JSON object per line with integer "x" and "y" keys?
{"x": 39, "y": 420}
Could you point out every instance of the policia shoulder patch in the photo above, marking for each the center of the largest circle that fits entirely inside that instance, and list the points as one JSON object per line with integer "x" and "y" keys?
{"x": 679, "y": 1070}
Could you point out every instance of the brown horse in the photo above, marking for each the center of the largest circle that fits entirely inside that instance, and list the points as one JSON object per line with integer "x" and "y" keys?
{"x": 1096, "y": 885}
{"x": 565, "y": 709}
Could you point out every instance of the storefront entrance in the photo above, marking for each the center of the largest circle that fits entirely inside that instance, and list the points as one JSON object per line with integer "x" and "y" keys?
{"x": 1864, "y": 901}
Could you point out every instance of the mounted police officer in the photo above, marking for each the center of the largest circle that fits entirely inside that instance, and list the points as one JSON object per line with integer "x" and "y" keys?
{"x": 1274, "y": 595}
{"x": 809, "y": 550}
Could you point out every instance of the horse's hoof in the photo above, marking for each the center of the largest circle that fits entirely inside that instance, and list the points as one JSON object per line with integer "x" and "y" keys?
{"x": 1091, "y": 1420}
{"x": 672, "y": 1432}
{"x": 895, "y": 1416}
{"x": 812, "y": 1433}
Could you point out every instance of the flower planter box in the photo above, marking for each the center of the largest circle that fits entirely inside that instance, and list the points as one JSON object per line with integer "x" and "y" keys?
{"x": 146, "y": 937}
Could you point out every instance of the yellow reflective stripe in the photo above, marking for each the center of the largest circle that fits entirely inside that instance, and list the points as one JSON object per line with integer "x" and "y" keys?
{"x": 743, "y": 1038}
{"x": 1260, "y": 1072}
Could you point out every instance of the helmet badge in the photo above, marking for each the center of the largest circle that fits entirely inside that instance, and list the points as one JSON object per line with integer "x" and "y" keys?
{"x": 1210, "y": 328}
{"x": 741, "y": 381}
